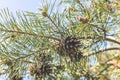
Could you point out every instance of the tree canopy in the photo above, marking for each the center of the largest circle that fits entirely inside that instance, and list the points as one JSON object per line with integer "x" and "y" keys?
{"x": 65, "y": 39}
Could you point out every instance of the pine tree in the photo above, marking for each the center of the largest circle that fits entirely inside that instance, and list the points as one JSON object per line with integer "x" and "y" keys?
{"x": 65, "y": 39}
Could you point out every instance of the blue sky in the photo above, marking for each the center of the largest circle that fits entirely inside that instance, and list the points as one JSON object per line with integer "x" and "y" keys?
{"x": 26, "y": 5}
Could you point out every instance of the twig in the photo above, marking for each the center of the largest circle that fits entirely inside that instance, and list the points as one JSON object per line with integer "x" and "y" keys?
{"x": 103, "y": 70}
{"x": 53, "y": 22}
{"x": 27, "y": 33}
{"x": 107, "y": 65}
{"x": 108, "y": 39}
{"x": 112, "y": 40}
{"x": 111, "y": 58}
{"x": 102, "y": 50}
{"x": 97, "y": 27}
{"x": 27, "y": 55}
{"x": 23, "y": 45}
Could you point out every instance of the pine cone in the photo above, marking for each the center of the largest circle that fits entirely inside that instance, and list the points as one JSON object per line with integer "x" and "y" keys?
{"x": 15, "y": 77}
{"x": 76, "y": 56}
{"x": 46, "y": 69}
{"x": 61, "y": 51}
{"x": 71, "y": 44}
{"x": 40, "y": 70}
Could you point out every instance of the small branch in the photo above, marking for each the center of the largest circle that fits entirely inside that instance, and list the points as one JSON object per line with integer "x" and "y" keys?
{"x": 107, "y": 65}
{"x": 54, "y": 38}
{"x": 53, "y": 22}
{"x": 23, "y": 45}
{"x": 97, "y": 26}
{"x": 27, "y": 33}
{"x": 103, "y": 70}
{"x": 117, "y": 55}
{"x": 108, "y": 39}
{"x": 112, "y": 40}
{"x": 27, "y": 55}
{"x": 88, "y": 37}
{"x": 102, "y": 50}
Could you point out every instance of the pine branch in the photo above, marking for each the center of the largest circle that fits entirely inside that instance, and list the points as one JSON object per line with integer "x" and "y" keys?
{"x": 114, "y": 57}
{"x": 25, "y": 56}
{"x": 107, "y": 65}
{"x": 96, "y": 26}
{"x": 33, "y": 34}
{"x": 53, "y": 22}
{"x": 112, "y": 40}
{"x": 30, "y": 54}
{"x": 108, "y": 39}
{"x": 102, "y": 50}
{"x": 103, "y": 70}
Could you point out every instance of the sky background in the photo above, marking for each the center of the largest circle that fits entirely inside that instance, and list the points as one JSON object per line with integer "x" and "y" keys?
{"x": 17, "y": 5}
{"x": 26, "y": 5}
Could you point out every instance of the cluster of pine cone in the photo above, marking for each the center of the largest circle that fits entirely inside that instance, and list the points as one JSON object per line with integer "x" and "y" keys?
{"x": 68, "y": 46}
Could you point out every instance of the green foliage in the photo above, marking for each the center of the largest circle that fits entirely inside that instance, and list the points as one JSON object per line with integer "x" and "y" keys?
{"x": 79, "y": 41}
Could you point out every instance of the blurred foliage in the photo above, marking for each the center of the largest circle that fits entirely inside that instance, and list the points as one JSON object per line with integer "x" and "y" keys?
{"x": 64, "y": 40}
